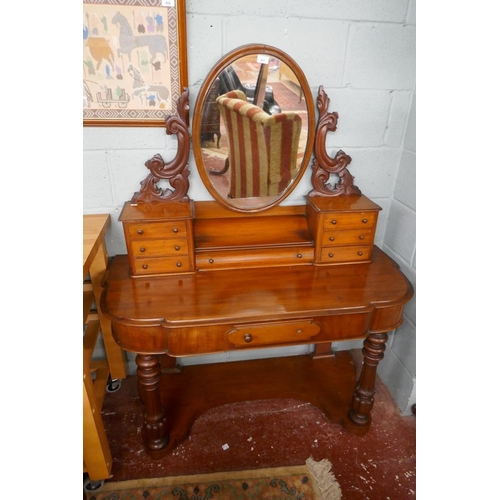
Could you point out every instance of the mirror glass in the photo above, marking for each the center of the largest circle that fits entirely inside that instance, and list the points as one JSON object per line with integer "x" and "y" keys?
{"x": 253, "y": 128}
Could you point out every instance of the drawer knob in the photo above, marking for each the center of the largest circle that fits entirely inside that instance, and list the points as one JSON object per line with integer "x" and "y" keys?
{"x": 360, "y": 253}
{"x": 140, "y": 231}
{"x": 179, "y": 264}
{"x": 361, "y": 237}
{"x": 247, "y": 338}
{"x": 211, "y": 261}
{"x": 364, "y": 221}
{"x": 177, "y": 247}
{"x": 332, "y": 238}
{"x": 299, "y": 255}
{"x": 175, "y": 230}
{"x": 144, "y": 266}
{"x": 334, "y": 221}
{"x": 142, "y": 249}
{"x": 330, "y": 255}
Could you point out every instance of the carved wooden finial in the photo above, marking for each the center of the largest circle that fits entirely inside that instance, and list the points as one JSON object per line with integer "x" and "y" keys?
{"x": 176, "y": 171}
{"x": 323, "y": 164}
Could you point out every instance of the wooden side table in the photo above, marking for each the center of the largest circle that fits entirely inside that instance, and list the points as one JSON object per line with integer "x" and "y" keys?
{"x": 96, "y": 453}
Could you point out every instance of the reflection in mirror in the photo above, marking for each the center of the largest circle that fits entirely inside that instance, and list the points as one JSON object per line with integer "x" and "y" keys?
{"x": 253, "y": 128}
{"x": 262, "y": 148}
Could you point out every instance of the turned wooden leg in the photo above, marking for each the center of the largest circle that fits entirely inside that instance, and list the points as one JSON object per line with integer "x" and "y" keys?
{"x": 154, "y": 430}
{"x": 362, "y": 400}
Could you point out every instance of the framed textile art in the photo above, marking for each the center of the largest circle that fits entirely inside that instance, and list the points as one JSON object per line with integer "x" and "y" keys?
{"x": 134, "y": 61}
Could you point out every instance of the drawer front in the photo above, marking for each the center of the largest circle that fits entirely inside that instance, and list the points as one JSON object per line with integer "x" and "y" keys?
{"x": 349, "y": 220}
{"x": 273, "y": 333}
{"x": 348, "y": 237}
{"x": 160, "y": 265}
{"x": 353, "y": 253}
{"x": 156, "y": 248}
{"x": 221, "y": 338}
{"x": 254, "y": 258}
{"x": 148, "y": 230}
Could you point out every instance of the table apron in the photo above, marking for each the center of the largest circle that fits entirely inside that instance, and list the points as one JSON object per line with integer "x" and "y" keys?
{"x": 216, "y": 338}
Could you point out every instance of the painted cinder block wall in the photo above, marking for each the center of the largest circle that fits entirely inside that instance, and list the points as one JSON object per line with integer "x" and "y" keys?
{"x": 363, "y": 53}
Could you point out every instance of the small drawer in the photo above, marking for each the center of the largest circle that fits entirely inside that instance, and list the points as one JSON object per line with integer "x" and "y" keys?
{"x": 161, "y": 265}
{"x": 351, "y": 220}
{"x": 148, "y": 230}
{"x": 273, "y": 333}
{"x": 156, "y": 248}
{"x": 254, "y": 257}
{"x": 353, "y": 253}
{"x": 348, "y": 237}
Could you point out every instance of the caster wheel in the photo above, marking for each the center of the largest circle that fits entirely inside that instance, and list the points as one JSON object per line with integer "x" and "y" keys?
{"x": 113, "y": 385}
{"x": 91, "y": 486}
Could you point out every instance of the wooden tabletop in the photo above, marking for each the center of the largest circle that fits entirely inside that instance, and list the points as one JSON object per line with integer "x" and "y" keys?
{"x": 253, "y": 294}
{"x": 94, "y": 229}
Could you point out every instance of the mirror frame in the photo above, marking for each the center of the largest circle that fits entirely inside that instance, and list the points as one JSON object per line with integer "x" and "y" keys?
{"x": 225, "y": 61}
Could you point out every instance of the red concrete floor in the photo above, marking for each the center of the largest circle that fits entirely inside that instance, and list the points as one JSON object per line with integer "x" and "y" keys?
{"x": 380, "y": 465}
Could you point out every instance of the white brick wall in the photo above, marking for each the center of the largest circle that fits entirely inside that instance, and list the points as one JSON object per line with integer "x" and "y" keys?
{"x": 399, "y": 369}
{"x": 363, "y": 53}
{"x": 380, "y": 56}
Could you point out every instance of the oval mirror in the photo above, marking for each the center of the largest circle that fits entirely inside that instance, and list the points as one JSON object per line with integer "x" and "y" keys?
{"x": 253, "y": 128}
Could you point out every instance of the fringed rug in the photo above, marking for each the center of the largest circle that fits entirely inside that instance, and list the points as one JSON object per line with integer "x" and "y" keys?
{"x": 312, "y": 481}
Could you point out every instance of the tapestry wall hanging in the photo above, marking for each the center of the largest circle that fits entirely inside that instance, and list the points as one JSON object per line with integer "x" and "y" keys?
{"x": 134, "y": 61}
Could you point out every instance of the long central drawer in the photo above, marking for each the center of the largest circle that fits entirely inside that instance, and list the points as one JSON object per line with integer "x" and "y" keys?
{"x": 254, "y": 257}
{"x": 185, "y": 341}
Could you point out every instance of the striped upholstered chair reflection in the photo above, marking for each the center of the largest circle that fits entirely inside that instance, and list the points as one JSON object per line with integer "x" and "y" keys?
{"x": 262, "y": 148}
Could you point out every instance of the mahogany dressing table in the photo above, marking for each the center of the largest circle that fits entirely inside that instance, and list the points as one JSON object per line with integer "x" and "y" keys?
{"x": 236, "y": 274}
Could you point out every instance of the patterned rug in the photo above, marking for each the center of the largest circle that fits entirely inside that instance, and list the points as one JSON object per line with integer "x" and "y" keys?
{"x": 312, "y": 481}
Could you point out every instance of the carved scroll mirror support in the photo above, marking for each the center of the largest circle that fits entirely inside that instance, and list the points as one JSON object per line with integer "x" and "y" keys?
{"x": 324, "y": 165}
{"x": 175, "y": 171}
